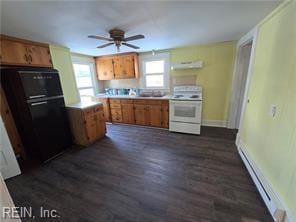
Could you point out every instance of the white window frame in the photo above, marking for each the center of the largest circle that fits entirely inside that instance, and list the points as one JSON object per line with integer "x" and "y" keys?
{"x": 91, "y": 63}
{"x": 166, "y": 74}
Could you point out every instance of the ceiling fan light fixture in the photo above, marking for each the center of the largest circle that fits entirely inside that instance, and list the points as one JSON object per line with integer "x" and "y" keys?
{"x": 117, "y": 38}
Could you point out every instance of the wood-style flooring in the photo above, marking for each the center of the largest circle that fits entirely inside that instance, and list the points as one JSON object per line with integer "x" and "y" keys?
{"x": 140, "y": 174}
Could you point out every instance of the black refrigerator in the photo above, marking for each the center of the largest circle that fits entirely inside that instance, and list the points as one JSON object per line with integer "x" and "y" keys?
{"x": 37, "y": 104}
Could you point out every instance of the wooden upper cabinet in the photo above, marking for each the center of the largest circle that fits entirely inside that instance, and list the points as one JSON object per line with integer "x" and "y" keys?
{"x": 121, "y": 66}
{"x": 22, "y": 52}
{"x": 38, "y": 55}
{"x": 105, "y": 68}
{"x": 13, "y": 53}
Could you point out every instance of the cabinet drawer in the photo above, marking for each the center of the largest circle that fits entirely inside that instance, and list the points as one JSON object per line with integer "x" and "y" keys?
{"x": 126, "y": 101}
{"x": 115, "y": 106}
{"x": 140, "y": 101}
{"x": 114, "y": 101}
{"x": 154, "y": 102}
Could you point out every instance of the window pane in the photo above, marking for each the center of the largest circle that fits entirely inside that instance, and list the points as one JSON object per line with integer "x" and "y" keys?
{"x": 86, "y": 92}
{"x": 154, "y": 81}
{"x": 83, "y": 75}
{"x": 154, "y": 67}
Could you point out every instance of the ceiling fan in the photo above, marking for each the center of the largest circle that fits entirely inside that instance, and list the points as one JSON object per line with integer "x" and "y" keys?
{"x": 117, "y": 38}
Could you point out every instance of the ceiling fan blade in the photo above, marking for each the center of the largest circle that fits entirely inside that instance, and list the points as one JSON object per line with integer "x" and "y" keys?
{"x": 130, "y": 45}
{"x": 99, "y": 37}
{"x": 105, "y": 45}
{"x": 135, "y": 37}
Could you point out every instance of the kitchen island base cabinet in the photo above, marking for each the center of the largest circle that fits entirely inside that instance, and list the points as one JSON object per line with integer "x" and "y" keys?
{"x": 87, "y": 124}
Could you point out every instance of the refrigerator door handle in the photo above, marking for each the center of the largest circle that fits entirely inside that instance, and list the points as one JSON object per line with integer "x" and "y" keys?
{"x": 40, "y": 103}
{"x": 37, "y": 96}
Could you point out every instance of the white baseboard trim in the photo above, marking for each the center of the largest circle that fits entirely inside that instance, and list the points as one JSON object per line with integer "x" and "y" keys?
{"x": 268, "y": 194}
{"x": 214, "y": 123}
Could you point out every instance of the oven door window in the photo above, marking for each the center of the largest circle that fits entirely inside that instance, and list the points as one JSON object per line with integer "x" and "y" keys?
{"x": 185, "y": 111}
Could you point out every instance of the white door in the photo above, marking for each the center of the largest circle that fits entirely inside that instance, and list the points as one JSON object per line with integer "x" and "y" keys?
{"x": 8, "y": 164}
{"x": 185, "y": 111}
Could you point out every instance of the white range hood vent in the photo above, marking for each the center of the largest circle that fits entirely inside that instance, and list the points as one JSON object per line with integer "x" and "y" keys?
{"x": 187, "y": 65}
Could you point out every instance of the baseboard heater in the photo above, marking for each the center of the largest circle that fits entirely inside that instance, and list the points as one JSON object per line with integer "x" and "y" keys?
{"x": 277, "y": 214}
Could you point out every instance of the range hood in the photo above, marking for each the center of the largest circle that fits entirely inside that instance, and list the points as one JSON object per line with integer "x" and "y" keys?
{"x": 187, "y": 65}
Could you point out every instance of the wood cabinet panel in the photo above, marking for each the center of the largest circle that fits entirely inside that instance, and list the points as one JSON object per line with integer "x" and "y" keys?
{"x": 105, "y": 69}
{"x": 87, "y": 125}
{"x": 91, "y": 128}
{"x": 100, "y": 123}
{"x": 121, "y": 66}
{"x": 106, "y": 107}
{"x": 165, "y": 116}
{"x": 128, "y": 115}
{"x": 141, "y": 117}
{"x": 39, "y": 56}
{"x": 116, "y": 115}
{"x": 124, "y": 67}
{"x": 115, "y": 106}
{"x": 155, "y": 115}
{"x": 15, "y": 51}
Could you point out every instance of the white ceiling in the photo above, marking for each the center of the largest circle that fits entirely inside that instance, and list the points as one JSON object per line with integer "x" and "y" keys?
{"x": 165, "y": 24}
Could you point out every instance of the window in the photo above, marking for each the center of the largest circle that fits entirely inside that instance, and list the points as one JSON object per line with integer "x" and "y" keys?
{"x": 155, "y": 72}
{"x": 85, "y": 77}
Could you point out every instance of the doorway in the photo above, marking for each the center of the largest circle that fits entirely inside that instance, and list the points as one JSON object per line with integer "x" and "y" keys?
{"x": 241, "y": 77}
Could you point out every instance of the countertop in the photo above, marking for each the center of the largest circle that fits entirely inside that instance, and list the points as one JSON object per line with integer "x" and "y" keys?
{"x": 83, "y": 105}
{"x": 167, "y": 97}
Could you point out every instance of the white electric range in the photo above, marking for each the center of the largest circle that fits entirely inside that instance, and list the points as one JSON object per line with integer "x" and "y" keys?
{"x": 186, "y": 109}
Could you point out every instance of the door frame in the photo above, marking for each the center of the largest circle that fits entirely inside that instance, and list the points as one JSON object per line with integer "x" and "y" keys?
{"x": 237, "y": 78}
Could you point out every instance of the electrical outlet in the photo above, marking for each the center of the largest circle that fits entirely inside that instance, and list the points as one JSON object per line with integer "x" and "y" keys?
{"x": 273, "y": 109}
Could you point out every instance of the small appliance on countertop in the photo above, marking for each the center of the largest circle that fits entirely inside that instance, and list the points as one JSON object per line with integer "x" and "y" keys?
{"x": 186, "y": 109}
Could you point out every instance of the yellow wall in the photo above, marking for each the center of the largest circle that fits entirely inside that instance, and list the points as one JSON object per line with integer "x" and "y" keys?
{"x": 61, "y": 58}
{"x": 271, "y": 141}
{"x": 215, "y": 76}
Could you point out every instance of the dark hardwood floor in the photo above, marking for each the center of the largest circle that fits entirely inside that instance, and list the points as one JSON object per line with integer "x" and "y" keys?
{"x": 141, "y": 174}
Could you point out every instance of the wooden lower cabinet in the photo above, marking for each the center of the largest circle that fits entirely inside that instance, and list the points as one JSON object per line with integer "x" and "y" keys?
{"x": 87, "y": 124}
{"x": 106, "y": 107}
{"x": 155, "y": 115}
{"x": 141, "y": 115}
{"x": 165, "y": 115}
{"x": 142, "y": 112}
{"x": 127, "y": 111}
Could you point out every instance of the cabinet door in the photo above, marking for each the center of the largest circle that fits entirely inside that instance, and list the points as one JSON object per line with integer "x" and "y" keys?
{"x": 116, "y": 115}
{"x": 141, "y": 116}
{"x": 39, "y": 56}
{"x": 105, "y": 68}
{"x": 128, "y": 115}
{"x": 155, "y": 114}
{"x": 165, "y": 116}
{"x": 13, "y": 53}
{"x": 91, "y": 128}
{"x": 128, "y": 67}
{"x": 100, "y": 124}
{"x": 124, "y": 67}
